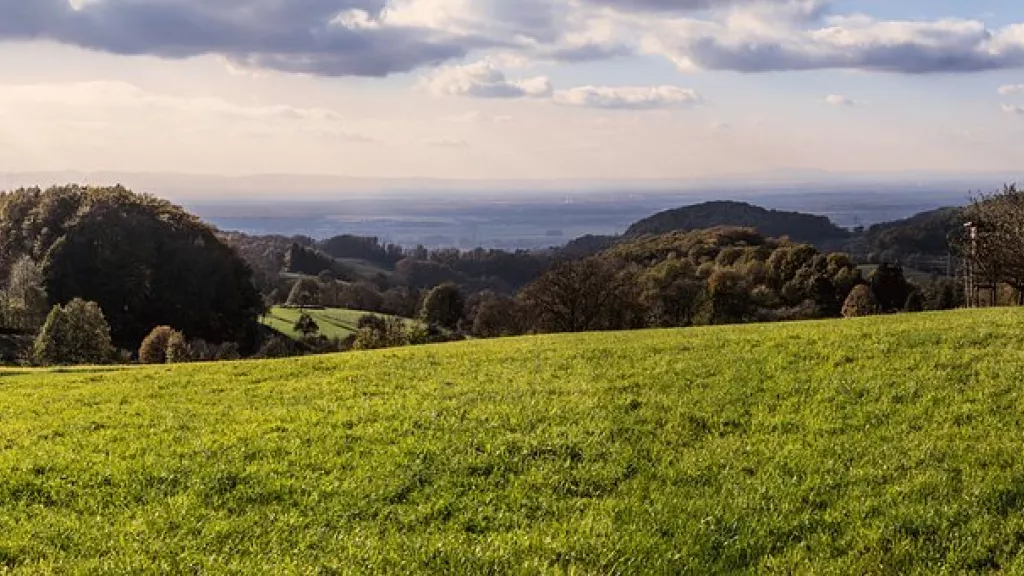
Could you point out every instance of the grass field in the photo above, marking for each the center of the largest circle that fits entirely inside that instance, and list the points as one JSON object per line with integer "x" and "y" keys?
{"x": 882, "y": 445}
{"x": 333, "y": 322}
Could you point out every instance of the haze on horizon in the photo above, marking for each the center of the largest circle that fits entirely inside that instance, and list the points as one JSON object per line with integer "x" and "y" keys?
{"x": 512, "y": 89}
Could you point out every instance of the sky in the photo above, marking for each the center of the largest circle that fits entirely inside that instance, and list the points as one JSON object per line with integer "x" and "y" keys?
{"x": 512, "y": 89}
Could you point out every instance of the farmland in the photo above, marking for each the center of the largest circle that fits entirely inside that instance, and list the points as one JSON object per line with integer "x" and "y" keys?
{"x": 878, "y": 445}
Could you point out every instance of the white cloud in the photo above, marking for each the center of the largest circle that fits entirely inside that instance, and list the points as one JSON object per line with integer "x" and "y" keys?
{"x": 840, "y": 100}
{"x": 628, "y": 97}
{"x": 748, "y": 41}
{"x": 483, "y": 80}
{"x": 112, "y": 105}
{"x": 1013, "y": 109}
{"x": 1011, "y": 89}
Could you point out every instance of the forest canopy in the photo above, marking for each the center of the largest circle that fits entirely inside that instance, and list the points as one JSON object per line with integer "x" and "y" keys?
{"x": 145, "y": 261}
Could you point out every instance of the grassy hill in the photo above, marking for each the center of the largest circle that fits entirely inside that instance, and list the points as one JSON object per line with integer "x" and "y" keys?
{"x": 333, "y": 322}
{"x": 884, "y": 445}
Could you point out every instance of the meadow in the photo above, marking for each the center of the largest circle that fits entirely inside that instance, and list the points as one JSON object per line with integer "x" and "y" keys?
{"x": 886, "y": 445}
{"x": 333, "y": 322}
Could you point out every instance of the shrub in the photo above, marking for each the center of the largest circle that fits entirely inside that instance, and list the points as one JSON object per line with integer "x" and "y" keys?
{"x": 915, "y": 302}
{"x": 154, "y": 347}
{"x": 275, "y": 347}
{"x": 860, "y": 302}
{"x": 177, "y": 349}
{"x": 77, "y": 333}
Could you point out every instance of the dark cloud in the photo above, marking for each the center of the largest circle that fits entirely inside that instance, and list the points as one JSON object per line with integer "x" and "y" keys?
{"x": 287, "y": 35}
{"x": 910, "y": 56}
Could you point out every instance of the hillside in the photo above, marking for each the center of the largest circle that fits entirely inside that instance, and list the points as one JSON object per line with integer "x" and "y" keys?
{"x": 882, "y": 445}
{"x": 817, "y": 230}
{"x": 922, "y": 241}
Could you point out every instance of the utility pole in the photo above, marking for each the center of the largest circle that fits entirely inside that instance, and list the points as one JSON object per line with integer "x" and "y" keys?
{"x": 969, "y": 282}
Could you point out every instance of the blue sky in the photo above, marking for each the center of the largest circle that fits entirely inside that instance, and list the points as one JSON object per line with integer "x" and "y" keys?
{"x": 508, "y": 89}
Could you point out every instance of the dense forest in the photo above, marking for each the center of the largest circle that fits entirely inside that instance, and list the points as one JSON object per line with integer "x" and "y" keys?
{"x": 816, "y": 230}
{"x": 143, "y": 271}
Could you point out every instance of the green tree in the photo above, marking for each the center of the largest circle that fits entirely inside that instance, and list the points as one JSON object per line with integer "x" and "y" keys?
{"x": 890, "y": 287}
{"x": 74, "y": 334}
{"x": 306, "y": 326}
{"x": 860, "y": 302}
{"x": 144, "y": 261}
{"x": 443, "y": 306}
{"x": 496, "y": 316}
{"x": 671, "y": 293}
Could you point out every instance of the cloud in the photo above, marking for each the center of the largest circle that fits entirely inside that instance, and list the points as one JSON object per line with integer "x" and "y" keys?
{"x": 749, "y": 44}
{"x": 840, "y": 100}
{"x": 483, "y": 80}
{"x": 1013, "y": 109}
{"x": 322, "y": 37}
{"x": 628, "y": 97}
{"x": 106, "y": 105}
{"x": 1011, "y": 89}
{"x": 381, "y": 37}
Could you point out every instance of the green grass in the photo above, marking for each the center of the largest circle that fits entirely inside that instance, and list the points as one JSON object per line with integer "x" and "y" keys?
{"x": 873, "y": 446}
{"x": 333, "y": 322}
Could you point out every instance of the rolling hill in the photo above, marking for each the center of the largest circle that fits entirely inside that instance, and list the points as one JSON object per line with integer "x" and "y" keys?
{"x": 880, "y": 445}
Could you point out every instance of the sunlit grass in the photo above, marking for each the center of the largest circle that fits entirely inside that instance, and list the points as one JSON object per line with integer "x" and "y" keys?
{"x": 883, "y": 445}
{"x": 333, "y": 322}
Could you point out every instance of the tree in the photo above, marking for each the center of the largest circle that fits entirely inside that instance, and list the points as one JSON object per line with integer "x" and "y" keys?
{"x": 306, "y": 326}
{"x": 23, "y": 304}
{"x": 74, "y": 334}
{"x": 671, "y": 293}
{"x": 144, "y": 261}
{"x": 890, "y": 287}
{"x": 443, "y": 306}
{"x": 596, "y": 293}
{"x": 376, "y": 332}
{"x": 996, "y": 247}
{"x": 306, "y": 292}
{"x": 178, "y": 351}
{"x": 496, "y": 316}
{"x": 155, "y": 348}
{"x": 915, "y": 302}
{"x": 860, "y": 302}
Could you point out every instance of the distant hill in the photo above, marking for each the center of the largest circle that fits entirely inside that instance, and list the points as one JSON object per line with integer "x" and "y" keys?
{"x": 817, "y": 230}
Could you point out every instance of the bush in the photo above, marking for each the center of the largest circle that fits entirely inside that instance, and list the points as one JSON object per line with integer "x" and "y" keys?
{"x": 275, "y": 347}
{"x": 74, "y": 334}
{"x": 177, "y": 349}
{"x": 154, "y": 347}
{"x": 860, "y": 302}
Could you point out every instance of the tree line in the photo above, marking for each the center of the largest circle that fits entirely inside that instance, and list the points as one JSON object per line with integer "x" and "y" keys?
{"x": 104, "y": 275}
